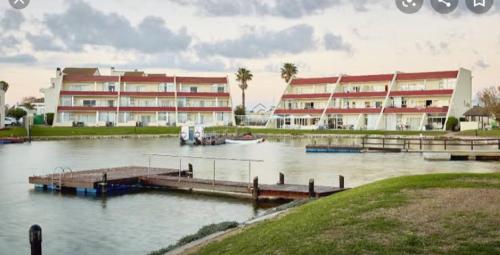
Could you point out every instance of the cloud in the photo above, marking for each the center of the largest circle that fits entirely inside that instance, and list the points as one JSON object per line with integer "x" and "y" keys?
{"x": 82, "y": 25}
{"x": 336, "y": 43}
{"x": 18, "y": 59}
{"x": 482, "y": 64}
{"x": 435, "y": 48}
{"x": 43, "y": 42}
{"x": 12, "y": 20}
{"x": 261, "y": 43}
{"x": 280, "y": 8}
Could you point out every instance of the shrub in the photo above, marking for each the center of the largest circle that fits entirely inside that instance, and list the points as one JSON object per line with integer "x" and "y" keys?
{"x": 452, "y": 124}
{"x": 202, "y": 232}
{"x": 50, "y": 118}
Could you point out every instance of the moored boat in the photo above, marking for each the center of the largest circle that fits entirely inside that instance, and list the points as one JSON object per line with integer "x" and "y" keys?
{"x": 245, "y": 139}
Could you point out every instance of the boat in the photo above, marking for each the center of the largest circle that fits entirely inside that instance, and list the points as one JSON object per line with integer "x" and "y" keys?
{"x": 196, "y": 135}
{"x": 10, "y": 140}
{"x": 245, "y": 139}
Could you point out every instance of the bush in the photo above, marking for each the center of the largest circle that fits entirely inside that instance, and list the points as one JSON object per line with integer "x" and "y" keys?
{"x": 452, "y": 124}
{"x": 202, "y": 232}
{"x": 239, "y": 111}
{"x": 50, "y": 118}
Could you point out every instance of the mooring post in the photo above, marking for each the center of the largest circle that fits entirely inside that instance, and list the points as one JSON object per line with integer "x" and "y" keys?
{"x": 190, "y": 171}
{"x": 341, "y": 181}
{"x": 311, "y": 188}
{"x": 104, "y": 181}
{"x": 255, "y": 191}
{"x": 471, "y": 145}
{"x": 282, "y": 179}
{"x": 35, "y": 236}
{"x": 499, "y": 144}
{"x": 420, "y": 143}
{"x": 383, "y": 142}
{"x": 362, "y": 143}
{"x": 445, "y": 144}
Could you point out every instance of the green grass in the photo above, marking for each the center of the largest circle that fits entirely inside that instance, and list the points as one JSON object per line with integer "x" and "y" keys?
{"x": 483, "y": 133}
{"x": 269, "y": 131}
{"x": 88, "y": 131}
{"x": 426, "y": 214}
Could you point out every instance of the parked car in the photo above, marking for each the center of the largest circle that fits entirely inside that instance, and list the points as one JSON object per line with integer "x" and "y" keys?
{"x": 9, "y": 121}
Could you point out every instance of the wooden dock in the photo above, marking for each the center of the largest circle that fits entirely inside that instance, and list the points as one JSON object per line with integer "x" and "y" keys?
{"x": 108, "y": 180}
{"x": 462, "y": 155}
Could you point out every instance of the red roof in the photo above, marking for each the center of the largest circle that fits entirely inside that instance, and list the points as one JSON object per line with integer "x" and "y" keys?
{"x": 417, "y": 110}
{"x": 154, "y": 78}
{"x": 311, "y": 81}
{"x": 198, "y": 80}
{"x": 89, "y": 93}
{"x": 298, "y": 111}
{"x": 202, "y": 94}
{"x": 90, "y": 78}
{"x": 367, "y": 78}
{"x": 306, "y": 96}
{"x": 360, "y": 94}
{"x": 354, "y": 110}
{"x": 427, "y": 75}
{"x": 422, "y": 92}
{"x": 204, "y": 109}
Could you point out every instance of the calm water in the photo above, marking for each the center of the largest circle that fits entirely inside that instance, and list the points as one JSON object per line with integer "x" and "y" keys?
{"x": 142, "y": 222}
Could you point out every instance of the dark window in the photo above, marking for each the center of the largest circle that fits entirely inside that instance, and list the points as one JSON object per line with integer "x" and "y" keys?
{"x": 428, "y": 103}
{"x": 193, "y": 89}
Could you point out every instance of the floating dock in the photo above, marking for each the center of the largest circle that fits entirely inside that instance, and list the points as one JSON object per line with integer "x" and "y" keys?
{"x": 122, "y": 179}
{"x": 462, "y": 155}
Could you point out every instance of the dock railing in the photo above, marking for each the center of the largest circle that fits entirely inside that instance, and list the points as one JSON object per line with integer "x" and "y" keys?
{"x": 181, "y": 157}
{"x": 420, "y": 143}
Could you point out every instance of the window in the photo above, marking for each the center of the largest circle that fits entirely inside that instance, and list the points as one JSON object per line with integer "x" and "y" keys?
{"x": 89, "y": 102}
{"x": 167, "y": 87}
{"x": 221, "y": 89}
{"x": 111, "y": 103}
{"x": 367, "y": 105}
{"x": 193, "y": 89}
{"x": 378, "y": 104}
{"x": 66, "y": 101}
{"x": 428, "y": 103}
{"x": 309, "y": 105}
{"x": 403, "y": 102}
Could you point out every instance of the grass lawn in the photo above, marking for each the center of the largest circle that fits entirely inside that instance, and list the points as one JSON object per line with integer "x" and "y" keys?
{"x": 265, "y": 131}
{"x": 82, "y": 131}
{"x": 484, "y": 133}
{"x": 426, "y": 214}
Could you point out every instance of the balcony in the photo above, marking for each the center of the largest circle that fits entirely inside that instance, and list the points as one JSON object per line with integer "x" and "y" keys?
{"x": 88, "y": 93}
{"x": 147, "y": 109}
{"x": 202, "y": 94}
{"x": 443, "y": 109}
{"x": 86, "y": 108}
{"x": 298, "y": 111}
{"x": 148, "y": 94}
{"x": 359, "y": 94}
{"x": 204, "y": 109}
{"x": 307, "y": 96}
{"x": 353, "y": 110}
{"x": 436, "y": 92}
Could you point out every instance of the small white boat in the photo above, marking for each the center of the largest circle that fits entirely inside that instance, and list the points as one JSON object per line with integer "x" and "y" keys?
{"x": 244, "y": 140}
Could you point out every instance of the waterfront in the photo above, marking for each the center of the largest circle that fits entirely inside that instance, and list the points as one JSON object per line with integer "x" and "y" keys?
{"x": 142, "y": 222}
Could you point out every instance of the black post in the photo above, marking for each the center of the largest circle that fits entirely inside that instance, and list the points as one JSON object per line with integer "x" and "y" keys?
{"x": 311, "y": 188}
{"x": 499, "y": 144}
{"x": 255, "y": 191}
{"x": 362, "y": 143}
{"x": 35, "y": 235}
{"x": 471, "y": 145}
{"x": 445, "y": 144}
{"x": 190, "y": 170}
{"x": 383, "y": 142}
{"x": 341, "y": 181}
{"x": 420, "y": 143}
{"x": 282, "y": 179}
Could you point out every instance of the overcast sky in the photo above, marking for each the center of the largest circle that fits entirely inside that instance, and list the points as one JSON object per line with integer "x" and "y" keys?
{"x": 215, "y": 37}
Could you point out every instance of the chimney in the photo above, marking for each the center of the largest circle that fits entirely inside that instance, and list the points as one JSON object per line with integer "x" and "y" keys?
{"x": 58, "y": 72}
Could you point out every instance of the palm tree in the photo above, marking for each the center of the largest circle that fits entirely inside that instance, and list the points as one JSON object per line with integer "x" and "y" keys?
{"x": 288, "y": 71}
{"x": 4, "y": 85}
{"x": 243, "y": 76}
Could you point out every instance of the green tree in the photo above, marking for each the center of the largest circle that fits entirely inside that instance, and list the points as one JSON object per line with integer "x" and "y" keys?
{"x": 288, "y": 71}
{"x": 243, "y": 76}
{"x": 4, "y": 85}
{"x": 16, "y": 112}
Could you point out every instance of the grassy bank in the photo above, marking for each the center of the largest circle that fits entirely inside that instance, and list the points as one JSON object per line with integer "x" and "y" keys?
{"x": 269, "y": 131}
{"x": 427, "y": 214}
{"x": 88, "y": 131}
{"x": 483, "y": 133}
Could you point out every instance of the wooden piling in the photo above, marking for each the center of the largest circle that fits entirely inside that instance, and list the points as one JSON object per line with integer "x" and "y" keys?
{"x": 282, "y": 179}
{"x": 341, "y": 181}
{"x": 190, "y": 170}
{"x": 311, "y": 188}
{"x": 255, "y": 191}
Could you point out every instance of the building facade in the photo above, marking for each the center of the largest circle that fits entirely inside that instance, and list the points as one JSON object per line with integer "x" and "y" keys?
{"x": 85, "y": 97}
{"x": 2, "y": 105}
{"x": 398, "y": 101}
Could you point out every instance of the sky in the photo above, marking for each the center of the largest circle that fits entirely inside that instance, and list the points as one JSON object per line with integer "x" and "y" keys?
{"x": 216, "y": 37}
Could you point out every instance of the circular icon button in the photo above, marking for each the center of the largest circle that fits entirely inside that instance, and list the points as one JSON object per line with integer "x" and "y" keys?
{"x": 444, "y": 6}
{"x": 479, "y": 6}
{"x": 19, "y": 4}
{"x": 409, "y": 6}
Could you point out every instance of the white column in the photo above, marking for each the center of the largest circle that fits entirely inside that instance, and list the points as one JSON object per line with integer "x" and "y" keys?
{"x": 96, "y": 118}
{"x": 72, "y": 100}
{"x": 95, "y": 86}
{"x": 157, "y": 121}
